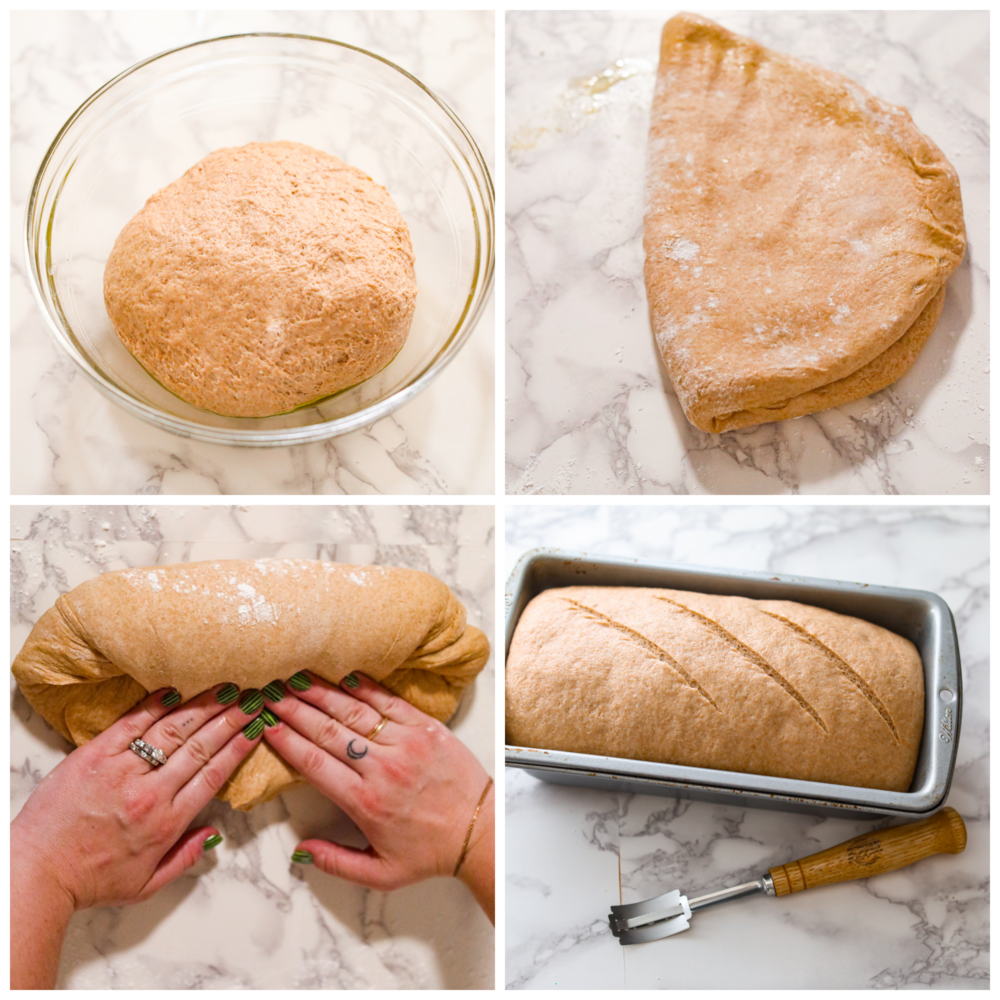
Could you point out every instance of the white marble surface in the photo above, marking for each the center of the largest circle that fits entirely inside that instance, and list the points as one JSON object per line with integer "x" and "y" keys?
{"x": 66, "y": 438}
{"x": 570, "y": 851}
{"x": 246, "y": 918}
{"x": 589, "y": 407}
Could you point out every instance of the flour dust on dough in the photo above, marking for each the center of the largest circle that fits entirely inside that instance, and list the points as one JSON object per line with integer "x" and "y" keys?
{"x": 798, "y": 231}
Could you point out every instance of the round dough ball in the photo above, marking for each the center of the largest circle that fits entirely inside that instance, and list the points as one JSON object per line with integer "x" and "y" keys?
{"x": 268, "y": 277}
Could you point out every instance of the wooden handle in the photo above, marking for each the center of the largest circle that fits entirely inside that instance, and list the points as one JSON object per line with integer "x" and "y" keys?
{"x": 873, "y": 853}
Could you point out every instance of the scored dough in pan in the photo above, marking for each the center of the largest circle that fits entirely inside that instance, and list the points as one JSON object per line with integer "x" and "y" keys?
{"x": 114, "y": 638}
{"x": 798, "y": 231}
{"x": 759, "y": 687}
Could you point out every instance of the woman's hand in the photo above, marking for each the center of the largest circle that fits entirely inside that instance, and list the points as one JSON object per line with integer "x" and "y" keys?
{"x": 106, "y": 827}
{"x": 412, "y": 787}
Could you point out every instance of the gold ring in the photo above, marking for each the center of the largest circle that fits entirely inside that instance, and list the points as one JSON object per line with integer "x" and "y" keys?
{"x": 378, "y": 728}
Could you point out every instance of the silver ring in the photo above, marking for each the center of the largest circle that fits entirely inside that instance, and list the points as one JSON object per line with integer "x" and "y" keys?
{"x": 150, "y": 754}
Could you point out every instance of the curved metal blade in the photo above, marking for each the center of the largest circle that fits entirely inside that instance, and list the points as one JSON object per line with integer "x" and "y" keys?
{"x": 650, "y": 920}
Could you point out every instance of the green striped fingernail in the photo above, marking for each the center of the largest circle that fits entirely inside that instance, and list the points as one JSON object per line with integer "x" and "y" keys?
{"x": 227, "y": 695}
{"x": 251, "y": 701}
{"x": 270, "y": 719}
{"x": 170, "y": 699}
{"x": 302, "y": 857}
{"x": 253, "y": 729}
{"x": 351, "y": 681}
{"x": 299, "y": 682}
{"x": 211, "y": 842}
{"x": 274, "y": 691}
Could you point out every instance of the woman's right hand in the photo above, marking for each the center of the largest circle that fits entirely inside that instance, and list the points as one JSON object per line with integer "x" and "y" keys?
{"x": 413, "y": 788}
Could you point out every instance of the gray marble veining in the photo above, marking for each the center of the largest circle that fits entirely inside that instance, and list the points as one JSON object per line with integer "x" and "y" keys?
{"x": 570, "y": 852}
{"x": 246, "y": 918}
{"x": 589, "y": 407}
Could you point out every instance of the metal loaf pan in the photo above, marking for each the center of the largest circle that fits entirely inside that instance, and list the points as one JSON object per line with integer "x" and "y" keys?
{"x": 920, "y": 616}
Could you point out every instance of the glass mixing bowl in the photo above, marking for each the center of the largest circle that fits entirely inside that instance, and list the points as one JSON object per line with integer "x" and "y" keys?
{"x": 153, "y": 122}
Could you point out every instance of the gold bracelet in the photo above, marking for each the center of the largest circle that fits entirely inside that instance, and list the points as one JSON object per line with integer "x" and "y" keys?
{"x": 468, "y": 834}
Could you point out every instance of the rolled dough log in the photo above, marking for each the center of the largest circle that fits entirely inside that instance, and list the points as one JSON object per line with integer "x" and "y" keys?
{"x": 113, "y": 639}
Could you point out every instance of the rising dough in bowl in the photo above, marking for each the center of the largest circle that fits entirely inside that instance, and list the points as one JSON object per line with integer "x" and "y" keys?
{"x": 268, "y": 277}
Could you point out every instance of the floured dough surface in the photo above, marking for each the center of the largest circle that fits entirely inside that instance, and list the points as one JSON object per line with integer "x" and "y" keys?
{"x": 798, "y": 231}
{"x": 269, "y": 276}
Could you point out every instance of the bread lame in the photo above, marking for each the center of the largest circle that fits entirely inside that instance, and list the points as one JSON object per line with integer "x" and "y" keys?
{"x": 869, "y": 854}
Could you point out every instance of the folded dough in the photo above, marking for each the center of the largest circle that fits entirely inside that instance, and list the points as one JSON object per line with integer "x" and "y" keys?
{"x": 110, "y": 641}
{"x": 798, "y": 231}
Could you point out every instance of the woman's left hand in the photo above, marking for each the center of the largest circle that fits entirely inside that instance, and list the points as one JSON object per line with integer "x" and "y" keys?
{"x": 107, "y": 827}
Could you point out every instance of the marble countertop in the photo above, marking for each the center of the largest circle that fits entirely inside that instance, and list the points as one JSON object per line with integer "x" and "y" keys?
{"x": 66, "y": 438}
{"x": 571, "y": 852}
{"x": 246, "y": 918}
{"x": 589, "y": 407}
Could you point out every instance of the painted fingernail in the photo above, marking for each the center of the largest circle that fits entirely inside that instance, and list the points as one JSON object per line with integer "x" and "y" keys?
{"x": 211, "y": 842}
{"x": 302, "y": 857}
{"x": 170, "y": 699}
{"x": 299, "y": 682}
{"x": 227, "y": 695}
{"x": 251, "y": 701}
{"x": 274, "y": 691}
{"x": 253, "y": 729}
{"x": 350, "y": 681}
{"x": 270, "y": 719}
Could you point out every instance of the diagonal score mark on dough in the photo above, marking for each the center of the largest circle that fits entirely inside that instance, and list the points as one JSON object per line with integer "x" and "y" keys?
{"x": 842, "y": 665}
{"x": 752, "y": 655}
{"x": 661, "y": 654}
